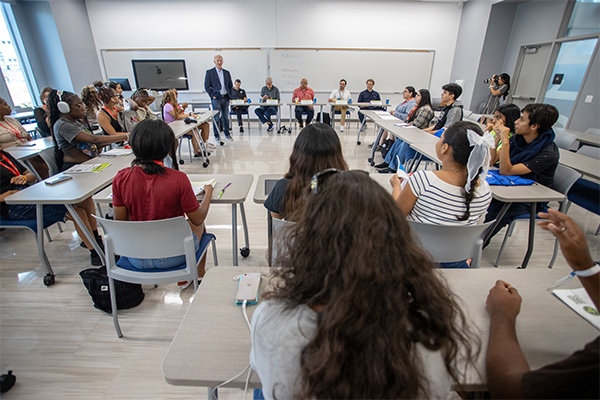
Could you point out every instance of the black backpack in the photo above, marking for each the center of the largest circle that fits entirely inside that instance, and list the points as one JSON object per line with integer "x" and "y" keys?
{"x": 326, "y": 118}
{"x": 95, "y": 280}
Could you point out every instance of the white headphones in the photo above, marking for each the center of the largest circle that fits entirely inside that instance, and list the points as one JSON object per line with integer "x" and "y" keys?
{"x": 63, "y": 106}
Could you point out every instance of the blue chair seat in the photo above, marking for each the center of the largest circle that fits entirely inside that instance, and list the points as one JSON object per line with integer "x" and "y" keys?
{"x": 204, "y": 242}
{"x": 586, "y": 194}
{"x": 28, "y": 223}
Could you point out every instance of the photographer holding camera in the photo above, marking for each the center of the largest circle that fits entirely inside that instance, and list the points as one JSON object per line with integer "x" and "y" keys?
{"x": 499, "y": 87}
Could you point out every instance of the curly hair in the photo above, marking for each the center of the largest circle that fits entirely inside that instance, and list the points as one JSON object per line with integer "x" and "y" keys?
{"x": 89, "y": 96}
{"x": 316, "y": 148}
{"x": 104, "y": 93}
{"x": 352, "y": 253}
{"x": 170, "y": 97}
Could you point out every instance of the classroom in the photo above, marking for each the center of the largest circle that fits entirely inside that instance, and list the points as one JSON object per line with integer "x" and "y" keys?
{"x": 60, "y": 346}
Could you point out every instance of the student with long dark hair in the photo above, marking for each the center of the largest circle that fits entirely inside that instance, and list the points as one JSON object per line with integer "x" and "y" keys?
{"x": 108, "y": 115}
{"x": 420, "y": 116}
{"x": 149, "y": 191}
{"x": 316, "y": 148}
{"x": 457, "y": 194}
{"x": 357, "y": 310}
{"x": 504, "y": 117}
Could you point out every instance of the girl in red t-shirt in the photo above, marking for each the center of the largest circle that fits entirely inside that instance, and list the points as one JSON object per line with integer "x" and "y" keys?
{"x": 149, "y": 191}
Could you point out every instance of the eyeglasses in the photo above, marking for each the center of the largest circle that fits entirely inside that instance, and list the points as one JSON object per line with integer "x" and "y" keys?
{"x": 319, "y": 177}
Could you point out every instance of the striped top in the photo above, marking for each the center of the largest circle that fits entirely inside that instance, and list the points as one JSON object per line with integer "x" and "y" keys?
{"x": 440, "y": 203}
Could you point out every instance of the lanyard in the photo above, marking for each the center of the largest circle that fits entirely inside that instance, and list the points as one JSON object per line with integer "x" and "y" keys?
{"x": 12, "y": 167}
{"x": 14, "y": 131}
{"x": 110, "y": 112}
{"x": 412, "y": 111}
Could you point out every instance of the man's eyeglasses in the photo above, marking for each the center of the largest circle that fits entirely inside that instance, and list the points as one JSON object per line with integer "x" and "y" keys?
{"x": 319, "y": 177}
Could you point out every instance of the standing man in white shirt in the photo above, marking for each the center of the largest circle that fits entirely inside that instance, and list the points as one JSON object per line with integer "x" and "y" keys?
{"x": 341, "y": 94}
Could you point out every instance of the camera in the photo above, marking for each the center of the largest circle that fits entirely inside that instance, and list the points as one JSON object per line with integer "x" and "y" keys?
{"x": 487, "y": 81}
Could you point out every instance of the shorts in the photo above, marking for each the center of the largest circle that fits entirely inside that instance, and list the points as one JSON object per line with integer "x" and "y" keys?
{"x": 162, "y": 263}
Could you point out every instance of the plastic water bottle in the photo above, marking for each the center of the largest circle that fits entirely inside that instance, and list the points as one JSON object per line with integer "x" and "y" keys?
{"x": 387, "y": 101}
{"x": 315, "y": 100}
{"x": 349, "y": 101}
{"x": 249, "y": 101}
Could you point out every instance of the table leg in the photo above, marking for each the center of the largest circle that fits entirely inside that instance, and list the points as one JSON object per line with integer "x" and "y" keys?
{"x": 333, "y": 115}
{"x": 234, "y": 234}
{"x": 278, "y": 118}
{"x": 269, "y": 225}
{"x": 245, "y": 250}
{"x": 360, "y": 129}
{"x": 416, "y": 161}
{"x": 374, "y": 148}
{"x": 321, "y": 113}
{"x": 290, "y": 116}
{"x": 86, "y": 232}
{"x": 39, "y": 214}
{"x": 532, "y": 208}
{"x": 498, "y": 218}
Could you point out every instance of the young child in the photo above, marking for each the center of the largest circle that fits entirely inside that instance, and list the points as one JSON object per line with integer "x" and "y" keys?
{"x": 148, "y": 191}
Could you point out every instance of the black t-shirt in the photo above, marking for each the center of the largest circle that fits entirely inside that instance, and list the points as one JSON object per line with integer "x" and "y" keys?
{"x": 543, "y": 165}
{"x": 5, "y": 176}
{"x": 238, "y": 95}
{"x": 575, "y": 377}
{"x": 274, "y": 202}
{"x": 40, "y": 117}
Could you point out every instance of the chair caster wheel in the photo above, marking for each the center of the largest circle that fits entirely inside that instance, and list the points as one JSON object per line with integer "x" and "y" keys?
{"x": 222, "y": 143}
{"x": 181, "y": 162}
{"x": 245, "y": 252}
{"x": 290, "y": 131}
{"x": 358, "y": 143}
{"x": 49, "y": 280}
{"x": 205, "y": 164}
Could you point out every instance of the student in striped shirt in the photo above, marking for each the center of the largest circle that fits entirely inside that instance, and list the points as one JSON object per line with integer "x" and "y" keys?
{"x": 457, "y": 194}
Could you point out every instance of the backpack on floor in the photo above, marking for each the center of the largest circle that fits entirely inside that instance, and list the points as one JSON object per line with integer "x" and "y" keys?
{"x": 326, "y": 118}
{"x": 385, "y": 147}
{"x": 95, "y": 280}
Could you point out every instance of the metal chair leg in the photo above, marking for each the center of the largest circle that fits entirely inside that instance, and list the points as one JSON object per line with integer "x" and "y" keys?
{"x": 506, "y": 235}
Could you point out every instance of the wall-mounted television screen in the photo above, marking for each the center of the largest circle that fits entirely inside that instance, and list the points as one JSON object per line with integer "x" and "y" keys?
{"x": 124, "y": 82}
{"x": 160, "y": 74}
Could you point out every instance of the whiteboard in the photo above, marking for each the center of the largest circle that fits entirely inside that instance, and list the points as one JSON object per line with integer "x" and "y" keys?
{"x": 248, "y": 65}
{"x": 391, "y": 70}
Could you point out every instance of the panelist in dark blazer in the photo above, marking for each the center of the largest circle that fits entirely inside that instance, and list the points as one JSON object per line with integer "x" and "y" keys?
{"x": 218, "y": 85}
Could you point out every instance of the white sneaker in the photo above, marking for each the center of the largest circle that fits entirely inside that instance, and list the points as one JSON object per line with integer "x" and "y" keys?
{"x": 341, "y": 128}
{"x": 210, "y": 145}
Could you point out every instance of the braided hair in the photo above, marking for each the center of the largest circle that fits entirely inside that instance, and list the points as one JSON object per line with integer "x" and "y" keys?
{"x": 456, "y": 137}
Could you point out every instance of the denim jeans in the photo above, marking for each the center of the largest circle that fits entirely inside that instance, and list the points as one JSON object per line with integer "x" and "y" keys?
{"x": 264, "y": 113}
{"x": 221, "y": 104}
{"x": 162, "y": 263}
{"x": 52, "y": 212}
{"x": 310, "y": 113}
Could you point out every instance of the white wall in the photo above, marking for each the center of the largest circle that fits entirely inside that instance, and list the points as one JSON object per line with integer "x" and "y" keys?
{"x": 271, "y": 23}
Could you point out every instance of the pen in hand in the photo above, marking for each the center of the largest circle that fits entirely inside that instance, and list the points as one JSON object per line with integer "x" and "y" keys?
{"x": 223, "y": 190}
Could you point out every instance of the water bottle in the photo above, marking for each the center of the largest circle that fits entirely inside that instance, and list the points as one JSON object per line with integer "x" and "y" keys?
{"x": 349, "y": 101}
{"x": 387, "y": 101}
{"x": 315, "y": 100}
{"x": 249, "y": 100}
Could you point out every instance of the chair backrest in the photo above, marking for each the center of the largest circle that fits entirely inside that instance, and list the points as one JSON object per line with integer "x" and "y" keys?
{"x": 593, "y": 131}
{"x": 565, "y": 140}
{"x": 451, "y": 243}
{"x": 149, "y": 239}
{"x": 48, "y": 157}
{"x": 564, "y": 178}
{"x": 590, "y": 151}
{"x": 280, "y": 229}
{"x": 474, "y": 117}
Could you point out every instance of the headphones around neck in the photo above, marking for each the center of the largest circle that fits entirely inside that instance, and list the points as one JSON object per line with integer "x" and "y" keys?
{"x": 63, "y": 106}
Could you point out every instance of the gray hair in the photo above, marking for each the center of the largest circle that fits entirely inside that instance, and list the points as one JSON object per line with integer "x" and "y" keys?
{"x": 269, "y": 79}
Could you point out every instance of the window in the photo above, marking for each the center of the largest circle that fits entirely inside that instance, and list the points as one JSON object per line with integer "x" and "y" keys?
{"x": 14, "y": 63}
{"x": 585, "y": 18}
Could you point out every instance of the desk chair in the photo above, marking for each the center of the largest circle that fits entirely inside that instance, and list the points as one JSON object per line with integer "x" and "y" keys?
{"x": 303, "y": 113}
{"x": 593, "y": 131}
{"x": 244, "y": 112}
{"x": 564, "y": 178}
{"x": 566, "y": 140}
{"x": 451, "y": 243}
{"x": 279, "y": 233}
{"x": 586, "y": 193}
{"x": 590, "y": 151}
{"x": 30, "y": 224}
{"x": 151, "y": 239}
{"x": 348, "y": 115}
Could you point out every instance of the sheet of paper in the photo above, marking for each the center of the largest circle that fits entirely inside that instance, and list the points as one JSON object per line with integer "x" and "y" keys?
{"x": 579, "y": 301}
{"x": 305, "y": 102}
{"x": 341, "y": 102}
{"x": 237, "y": 101}
{"x": 198, "y": 186}
{"x": 118, "y": 152}
{"x": 401, "y": 173}
{"x": 380, "y": 112}
{"x": 376, "y": 102}
{"x": 272, "y": 101}
{"x": 388, "y": 117}
{"x": 405, "y": 125}
{"x": 85, "y": 168}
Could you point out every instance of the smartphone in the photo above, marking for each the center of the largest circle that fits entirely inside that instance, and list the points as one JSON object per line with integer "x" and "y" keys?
{"x": 58, "y": 179}
{"x": 248, "y": 286}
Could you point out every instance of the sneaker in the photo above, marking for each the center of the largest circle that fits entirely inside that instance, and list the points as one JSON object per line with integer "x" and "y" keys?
{"x": 270, "y": 128}
{"x": 206, "y": 153}
{"x": 197, "y": 155}
{"x": 229, "y": 137}
{"x": 95, "y": 259}
{"x": 211, "y": 146}
{"x": 382, "y": 165}
{"x": 241, "y": 129}
{"x": 222, "y": 143}
{"x": 301, "y": 124}
{"x": 379, "y": 148}
{"x": 386, "y": 171}
{"x": 341, "y": 128}
{"x": 184, "y": 284}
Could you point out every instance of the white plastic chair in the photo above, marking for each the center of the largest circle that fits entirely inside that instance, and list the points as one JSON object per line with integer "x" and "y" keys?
{"x": 590, "y": 151}
{"x": 593, "y": 131}
{"x": 451, "y": 243}
{"x": 566, "y": 140}
{"x": 564, "y": 178}
{"x": 279, "y": 233}
{"x": 151, "y": 239}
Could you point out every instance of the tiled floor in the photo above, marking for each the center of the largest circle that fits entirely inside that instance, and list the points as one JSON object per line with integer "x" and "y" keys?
{"x": 60, "y": 347}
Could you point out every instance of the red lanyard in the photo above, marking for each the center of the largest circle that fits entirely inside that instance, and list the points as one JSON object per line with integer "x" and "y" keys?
{"x": 412, "y": 111}
{"x": 110, "y": 112}
{"x": 12, "y": 167}
{"x": 13, "y": 130}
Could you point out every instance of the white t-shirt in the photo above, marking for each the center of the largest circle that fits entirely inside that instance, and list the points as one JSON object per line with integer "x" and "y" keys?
{"x": 345, "y": 95}
{"x": 279, "y": 335}
{"x": 439, "y": 202}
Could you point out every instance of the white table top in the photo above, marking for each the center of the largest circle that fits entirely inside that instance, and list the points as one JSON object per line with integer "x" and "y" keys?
{"x": 213, "y": 341}
{"x": 180, "y": 128}
{"x": 583, "y": 164}
{"x": 31, "y": 149}
{"x": 409, "y": 135}
{"x": 74, "y": 190}
{"x": 234, "y": 194}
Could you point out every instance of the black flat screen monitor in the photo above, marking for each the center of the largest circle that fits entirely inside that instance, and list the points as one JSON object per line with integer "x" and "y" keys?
{"x": 160, "y": 74}
{"x": 124, "y": 82}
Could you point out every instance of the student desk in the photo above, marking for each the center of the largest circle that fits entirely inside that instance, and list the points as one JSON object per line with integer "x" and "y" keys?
{"x": 31, "y": 149}
{"x": 291, "y": 104}
{"x": 213, "y": 343}
{"x": 68, "y": 193}
{"x": 583, "y": 164}
{"x": 235, "y": 195}
{"x": 361, "y": 104}
{"x": 23, "y": 115}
